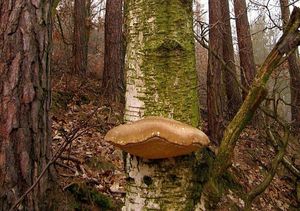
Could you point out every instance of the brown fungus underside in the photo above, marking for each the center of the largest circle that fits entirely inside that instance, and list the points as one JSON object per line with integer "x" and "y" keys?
{"x": 157, "y": 138}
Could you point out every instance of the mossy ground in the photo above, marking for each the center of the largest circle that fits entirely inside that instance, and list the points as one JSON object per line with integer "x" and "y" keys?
{"x": 81, "y": 196}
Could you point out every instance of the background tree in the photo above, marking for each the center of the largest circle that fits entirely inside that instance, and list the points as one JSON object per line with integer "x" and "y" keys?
{"x": 234, "y": 99}
{"x": 113, "y": 75}
{"x": 213, "y": 191}
{"x": 25, "y": 38}
{"x": 201, "y": 52}
{"x": 80, "y": 43}
{"x": 294, "y": 70}
{"x": 260, "y": 39}
{"x": 214, "y": 73}
{"x": 247, "y": 64}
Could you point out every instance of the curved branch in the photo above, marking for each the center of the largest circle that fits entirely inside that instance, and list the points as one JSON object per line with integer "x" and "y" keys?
{"x": 274, "y": 165}
{"x": 288, "y": 42}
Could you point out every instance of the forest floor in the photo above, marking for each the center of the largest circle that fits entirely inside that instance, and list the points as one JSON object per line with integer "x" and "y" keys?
{"x": 90, "y": 171}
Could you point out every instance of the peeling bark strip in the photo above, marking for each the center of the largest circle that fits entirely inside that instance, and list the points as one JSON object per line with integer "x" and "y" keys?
{"x": 160, "y": 60}
{"x": 24, "y": 100}
{"x": 162, "y": 185}
{"x": 287, "y": 43}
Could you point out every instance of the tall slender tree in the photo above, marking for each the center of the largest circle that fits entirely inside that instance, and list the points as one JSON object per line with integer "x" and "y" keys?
{"x": 25, "y": 38}
{"x": 214, "y": 73}
{"x": 247, "y": 64}
{"x": 234, "y": 99}
{"x": 113, "y": 76}
{"x": 80, "y": 43}
{"x": 294, "y": 70}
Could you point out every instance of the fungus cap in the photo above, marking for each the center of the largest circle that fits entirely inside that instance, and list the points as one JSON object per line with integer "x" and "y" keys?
{"x": 157, "y": 137}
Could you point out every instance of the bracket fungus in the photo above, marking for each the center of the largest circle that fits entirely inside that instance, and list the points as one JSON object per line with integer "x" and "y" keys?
{"x": 157, "y": 138}
{"x": 162, "y": 172}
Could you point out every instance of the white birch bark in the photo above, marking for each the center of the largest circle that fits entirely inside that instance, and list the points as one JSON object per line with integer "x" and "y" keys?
{"x": 161, "y": 80}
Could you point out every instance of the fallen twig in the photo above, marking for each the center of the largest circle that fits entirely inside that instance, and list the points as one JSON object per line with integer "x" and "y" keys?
{"x": 288, "y": 42}
{"x": 270, "y": 175}
{"x": 69, "y": 138}
{"x": 71, "y": 158}
{"x": 65, "y": 166}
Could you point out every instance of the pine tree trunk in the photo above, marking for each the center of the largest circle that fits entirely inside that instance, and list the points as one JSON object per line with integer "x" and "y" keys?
{"x": 113, "y": 75}
{"x": 294, "y": 70}
{"x": 247, "y": 63}
{"x": 234, "y": 99}
{"x": 80, "y": 44}
{"x": 161, "y": 81}
{"x": 25, "y": 38}
{"x": 214, "y": 74}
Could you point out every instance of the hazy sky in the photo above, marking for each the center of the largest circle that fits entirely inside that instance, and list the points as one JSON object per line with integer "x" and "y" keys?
{"x": 273, "y": 6}
{"x": 256, "y": 8}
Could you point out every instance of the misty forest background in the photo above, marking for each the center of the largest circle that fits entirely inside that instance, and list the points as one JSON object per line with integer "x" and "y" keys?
{"x": 232, "y": 41}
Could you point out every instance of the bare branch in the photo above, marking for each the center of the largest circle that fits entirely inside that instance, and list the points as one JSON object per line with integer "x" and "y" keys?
{"x": 274, "y": 165}
{"x": 288, "y": 42}
{"x": 77, "y": 132}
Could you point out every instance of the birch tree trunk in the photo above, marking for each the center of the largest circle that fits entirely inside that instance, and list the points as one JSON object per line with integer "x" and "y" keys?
{"x": 25, "y": 39}
{"x": 161, "y": 81}
{"x": 160, "y": 60}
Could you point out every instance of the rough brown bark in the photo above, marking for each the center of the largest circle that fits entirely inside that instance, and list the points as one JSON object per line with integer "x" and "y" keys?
{"x": 214, "y": 74}
{"x": 89, "y": 24}
{"x": 247, "y": 63}
{"x": 113, "y": 76}
{"x": 25, "y": 38}
{"x": 80, "y": 44}
{"x": 294, "y": 70}
{"x": 234, "y": 99}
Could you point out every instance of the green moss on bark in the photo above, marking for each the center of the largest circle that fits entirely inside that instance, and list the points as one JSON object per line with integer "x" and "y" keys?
{"x": 163, "y": 42}
{"x": 166, "y": 184}
{"x": 161, "y": 81}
